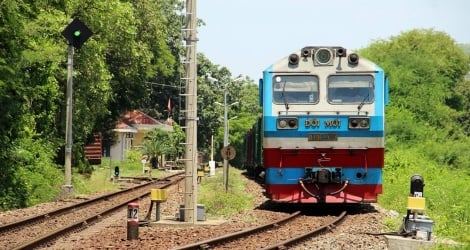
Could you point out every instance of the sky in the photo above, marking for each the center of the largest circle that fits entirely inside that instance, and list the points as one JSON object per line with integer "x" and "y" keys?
{"x": 247, "y": 36}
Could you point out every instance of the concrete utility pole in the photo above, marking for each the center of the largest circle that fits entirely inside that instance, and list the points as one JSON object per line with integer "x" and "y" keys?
{"x": 190, "y": 183}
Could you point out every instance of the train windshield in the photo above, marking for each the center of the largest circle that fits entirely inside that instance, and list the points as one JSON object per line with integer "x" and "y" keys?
{"x": 295, "y": 89}
{"x": 350, "y": 89}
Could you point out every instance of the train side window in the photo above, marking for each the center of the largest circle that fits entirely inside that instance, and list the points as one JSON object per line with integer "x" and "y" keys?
{"x": 295, "y": 89}
{"x": 350, "y": 89}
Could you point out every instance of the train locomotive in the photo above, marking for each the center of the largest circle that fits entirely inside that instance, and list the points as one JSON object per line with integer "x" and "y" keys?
{"x": 321, "y": 135}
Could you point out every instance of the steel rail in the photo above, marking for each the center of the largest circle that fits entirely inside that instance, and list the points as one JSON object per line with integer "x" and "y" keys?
{"x": 237, "y": 235}
{"x": 292, "y": 241}
{"x": 92, "y": 219}
{"x": 63, "y": 210}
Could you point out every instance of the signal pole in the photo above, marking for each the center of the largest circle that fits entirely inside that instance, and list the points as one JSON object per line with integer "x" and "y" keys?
{"x": 68, "y": 188}
{"x": 76, "y": 34}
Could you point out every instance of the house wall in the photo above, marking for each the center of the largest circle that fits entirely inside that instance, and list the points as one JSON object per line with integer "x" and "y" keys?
{"x": 119, "y": 149}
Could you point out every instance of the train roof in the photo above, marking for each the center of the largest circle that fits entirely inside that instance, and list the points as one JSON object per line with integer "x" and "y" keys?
{"x": 311, "y": 59}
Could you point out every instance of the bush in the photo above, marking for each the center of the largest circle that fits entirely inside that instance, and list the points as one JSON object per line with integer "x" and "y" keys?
{"x": 36, "y": 179}
{"x": 446, "y": 191}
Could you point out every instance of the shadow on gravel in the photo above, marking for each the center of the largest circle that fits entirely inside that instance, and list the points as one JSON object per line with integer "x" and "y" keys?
{"x": 318, "y": 209}
{"x": 310, "y": 209}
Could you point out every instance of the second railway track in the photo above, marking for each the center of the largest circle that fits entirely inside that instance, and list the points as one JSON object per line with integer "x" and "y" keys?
{"x": 37, "y": 230}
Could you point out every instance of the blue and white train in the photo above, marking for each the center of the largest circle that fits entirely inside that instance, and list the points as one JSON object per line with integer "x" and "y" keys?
{"x": 321, "y": 135}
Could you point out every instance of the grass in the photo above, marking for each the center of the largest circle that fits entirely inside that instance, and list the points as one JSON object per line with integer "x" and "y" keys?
{"x": 446, "y": 192}
{"x": 211, "y": 190}
{"x": 218, "y": 202}
{"x": 101, "y": 178}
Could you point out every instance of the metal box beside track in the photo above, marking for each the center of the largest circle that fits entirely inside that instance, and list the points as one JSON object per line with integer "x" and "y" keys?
{"x": 201, "y": 212}
{"x": 421, "y": 226}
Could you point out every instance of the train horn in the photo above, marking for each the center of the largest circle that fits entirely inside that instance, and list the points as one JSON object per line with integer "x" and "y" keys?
{"x": 293, "y": 59}
{"x": 353, "y": 59}
{"x": 306, "y": 52}
{"x": 341, "y": 52}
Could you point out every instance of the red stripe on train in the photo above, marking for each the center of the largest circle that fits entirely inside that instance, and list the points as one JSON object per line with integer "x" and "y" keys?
{"x": 276, "y": 157}
{"x": 351, "y": 194}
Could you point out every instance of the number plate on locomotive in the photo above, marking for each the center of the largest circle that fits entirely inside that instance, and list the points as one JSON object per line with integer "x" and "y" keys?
{"x": 322, "y": 137}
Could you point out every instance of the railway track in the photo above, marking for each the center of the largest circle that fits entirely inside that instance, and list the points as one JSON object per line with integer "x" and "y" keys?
{"x": 37, "y": 230}
{"x": 279, "y": 234}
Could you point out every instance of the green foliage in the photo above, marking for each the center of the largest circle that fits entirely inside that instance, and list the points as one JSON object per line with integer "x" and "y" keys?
{"x": 36, "y": 178}
{"x": 211, "y": 112}
{"x": 160, "y": 142}
{"x": 446, "y": 191}
{"x": 218, "y": 202}
{"x": 101, "y": 178}
{"x": 429, "y": 96}
{"x": 422, "y": 63}
{"x": 427, "y": 126}
{"x": 134, "y": 155}
{"x": 132, "y": 43}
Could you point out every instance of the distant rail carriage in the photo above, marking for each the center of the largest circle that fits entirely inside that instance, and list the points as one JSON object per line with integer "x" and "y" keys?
{"x": 321, "y": 135}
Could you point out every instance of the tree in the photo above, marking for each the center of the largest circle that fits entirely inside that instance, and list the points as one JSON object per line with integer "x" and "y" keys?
{"x": 159, "y": 142}
{"x": 423, "y": 63}
{"x": 429, "y": 95}
{"x": 133, "y": 42}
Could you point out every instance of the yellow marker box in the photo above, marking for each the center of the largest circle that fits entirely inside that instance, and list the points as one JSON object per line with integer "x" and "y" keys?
{"x": 416, "y": 203}
{"x": 158, "y": 194}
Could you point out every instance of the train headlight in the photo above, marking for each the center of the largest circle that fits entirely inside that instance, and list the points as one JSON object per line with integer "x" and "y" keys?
{"x": 323, "y": 56}
{"x": 359, "y": 123}
{"x": 287, "y": 123}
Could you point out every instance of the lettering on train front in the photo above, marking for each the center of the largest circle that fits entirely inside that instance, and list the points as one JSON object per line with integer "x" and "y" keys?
{"x": 336, "y": 123}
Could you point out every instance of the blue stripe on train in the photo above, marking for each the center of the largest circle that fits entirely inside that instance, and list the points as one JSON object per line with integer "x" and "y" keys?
{"x": 267, "y": 88}
{"x": 275, "y": 176}
{"x": 376, "y": 123}
{"x": 379, "y": 92}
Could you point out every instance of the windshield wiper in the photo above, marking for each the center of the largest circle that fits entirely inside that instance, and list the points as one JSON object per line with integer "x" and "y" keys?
{"x": 284, "y": 98}
{"x": 359, "y": 107}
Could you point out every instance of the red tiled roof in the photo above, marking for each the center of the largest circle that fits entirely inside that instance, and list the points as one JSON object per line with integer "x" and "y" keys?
{"x": 139, "y": 118}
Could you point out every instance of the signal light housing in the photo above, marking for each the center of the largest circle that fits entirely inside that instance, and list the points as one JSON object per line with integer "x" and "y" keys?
{"x": 116, "y": 171}
{"x": 76, "y": 33}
